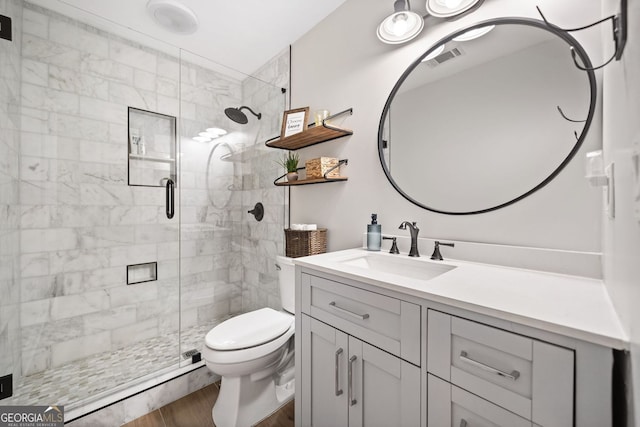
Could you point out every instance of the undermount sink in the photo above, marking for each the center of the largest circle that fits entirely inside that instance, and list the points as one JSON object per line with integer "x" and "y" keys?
{"x": 393, "y": 264}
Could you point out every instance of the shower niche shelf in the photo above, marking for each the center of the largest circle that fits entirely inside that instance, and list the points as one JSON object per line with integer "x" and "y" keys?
{"x": 312, "y": 135}
{"x": 152, "y": 148}
{"x": 151, "y": 158}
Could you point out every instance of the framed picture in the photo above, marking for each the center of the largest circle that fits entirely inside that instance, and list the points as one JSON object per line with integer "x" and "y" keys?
{"x": 294, "y": 121}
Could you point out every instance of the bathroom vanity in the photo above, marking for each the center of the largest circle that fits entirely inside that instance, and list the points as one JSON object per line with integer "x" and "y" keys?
{"x": 385, "y": 339}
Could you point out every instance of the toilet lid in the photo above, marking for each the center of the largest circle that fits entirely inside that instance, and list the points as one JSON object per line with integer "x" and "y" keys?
{"x": 249, "y": 329}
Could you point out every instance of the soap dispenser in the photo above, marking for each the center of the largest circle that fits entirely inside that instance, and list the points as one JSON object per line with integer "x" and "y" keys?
{"x": 374, "y": 234}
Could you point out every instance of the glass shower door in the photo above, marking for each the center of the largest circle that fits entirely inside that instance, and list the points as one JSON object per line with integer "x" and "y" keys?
{"x": 227, "y": 262}
{"x": 99, "y": 259}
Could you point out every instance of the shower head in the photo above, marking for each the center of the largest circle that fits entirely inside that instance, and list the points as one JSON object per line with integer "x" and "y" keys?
{"x": 238, "y": 116}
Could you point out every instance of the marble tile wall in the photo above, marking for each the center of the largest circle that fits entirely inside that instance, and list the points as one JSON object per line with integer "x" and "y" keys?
{"x": 210, "y": 290}
{"x": 262, "y": 241}
{"x": 81, "y": 222}
{"x": 10, "y": 75}
{"x": 71, "y": 224}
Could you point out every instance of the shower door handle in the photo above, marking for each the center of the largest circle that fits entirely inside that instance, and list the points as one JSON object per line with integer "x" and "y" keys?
{"x": 170, "y": 198}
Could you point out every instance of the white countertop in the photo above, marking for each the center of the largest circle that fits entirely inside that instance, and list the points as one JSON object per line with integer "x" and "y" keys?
{"x": 573, "y": 306}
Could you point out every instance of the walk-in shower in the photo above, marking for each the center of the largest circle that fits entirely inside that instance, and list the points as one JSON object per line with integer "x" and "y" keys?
{"x": 100, "y": 288}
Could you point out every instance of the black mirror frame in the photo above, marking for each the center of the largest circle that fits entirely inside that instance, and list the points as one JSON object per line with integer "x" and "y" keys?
{"x": 580, "y": 52}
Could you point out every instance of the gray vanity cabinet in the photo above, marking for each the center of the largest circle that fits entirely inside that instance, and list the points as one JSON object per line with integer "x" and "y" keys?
{"x": 494, "y": 377}
{"x": 368, "y": 354}
{"x": 324, "y": 374}
{"x": 352, "y": 375}
{"x": 333, "y": 379}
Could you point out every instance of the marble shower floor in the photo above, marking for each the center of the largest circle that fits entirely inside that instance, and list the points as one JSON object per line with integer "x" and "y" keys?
{"x": 88, "y": 377}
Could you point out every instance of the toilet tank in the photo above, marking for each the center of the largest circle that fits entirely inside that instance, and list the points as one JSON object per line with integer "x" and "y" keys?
{"x": 287, "y": 280}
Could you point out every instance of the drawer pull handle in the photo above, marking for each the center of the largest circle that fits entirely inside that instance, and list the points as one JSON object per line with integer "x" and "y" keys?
{"x": 352, "y": 401}
{"x": 338, "y": 390}
{"x": 350, "y": 313}
{"x": 463, "y": 423}
{"x": 514, "y": 375}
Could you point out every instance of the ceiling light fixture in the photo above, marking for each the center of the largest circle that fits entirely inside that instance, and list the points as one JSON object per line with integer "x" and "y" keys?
{"x": 209, "y": 135}
{"x": 450, "y": 8}
{"x": 216, "y": 131}
{"x": 173, "y": 16}
{"x": 474, "y": 34}
{"x": 401, "y": 26}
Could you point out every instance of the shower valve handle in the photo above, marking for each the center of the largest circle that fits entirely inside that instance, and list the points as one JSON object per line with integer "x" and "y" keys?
{"x": 257, "y": 211}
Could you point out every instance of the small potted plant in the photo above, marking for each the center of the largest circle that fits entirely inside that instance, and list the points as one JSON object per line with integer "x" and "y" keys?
{"x": 290, "y": 163}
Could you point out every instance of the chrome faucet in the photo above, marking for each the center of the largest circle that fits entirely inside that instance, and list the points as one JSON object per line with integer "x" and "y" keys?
{"x": 413, "y": 230}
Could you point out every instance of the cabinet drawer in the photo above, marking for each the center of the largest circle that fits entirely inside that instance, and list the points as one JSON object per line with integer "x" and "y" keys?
{"x": 449, "y": 405}
{"x": 531, "y": 378}
{"x": 385, "y": 322}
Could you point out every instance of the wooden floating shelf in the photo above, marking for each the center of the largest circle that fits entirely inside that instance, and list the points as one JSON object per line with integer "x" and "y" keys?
{"x": 313, "y": 135}
{"x": 310, "y": 181}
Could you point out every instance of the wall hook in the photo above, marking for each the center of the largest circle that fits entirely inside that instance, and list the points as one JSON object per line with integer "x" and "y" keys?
{"x": 619, "y": 26}
{"x": 564, "y": 116}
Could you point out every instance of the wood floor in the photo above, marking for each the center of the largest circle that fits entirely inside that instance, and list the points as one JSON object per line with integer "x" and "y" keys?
{"x": 194, "y": 410}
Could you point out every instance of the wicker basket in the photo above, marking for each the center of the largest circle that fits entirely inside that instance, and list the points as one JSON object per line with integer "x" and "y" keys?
{"x": 316, "y": 168}
{"x": 305, "y": 242}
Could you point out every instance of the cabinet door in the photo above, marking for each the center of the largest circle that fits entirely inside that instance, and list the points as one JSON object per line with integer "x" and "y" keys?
{"x": 385, "y": 390}
{"x": 324, "y": 374}
{"x": 451, "y": 406}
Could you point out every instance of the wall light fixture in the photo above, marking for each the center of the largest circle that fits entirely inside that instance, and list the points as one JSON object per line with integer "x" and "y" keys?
{"x": 402, "y": 25}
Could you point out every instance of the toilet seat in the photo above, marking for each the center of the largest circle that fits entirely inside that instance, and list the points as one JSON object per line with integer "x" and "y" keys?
{"x": 248, "y": 330}
{"x": 280, "y": 328}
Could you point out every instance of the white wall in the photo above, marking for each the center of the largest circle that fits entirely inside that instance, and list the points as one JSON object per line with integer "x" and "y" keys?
{"x": 341, "y": 64}
{"x": 621, "y": 128}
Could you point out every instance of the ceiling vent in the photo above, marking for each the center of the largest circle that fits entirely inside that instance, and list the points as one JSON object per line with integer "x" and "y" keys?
{"x": 444, "y": 57}
{"x": 173, "y": 16}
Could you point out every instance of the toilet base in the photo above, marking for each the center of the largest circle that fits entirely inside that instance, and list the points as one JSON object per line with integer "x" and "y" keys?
{"x": 243, "y": 402}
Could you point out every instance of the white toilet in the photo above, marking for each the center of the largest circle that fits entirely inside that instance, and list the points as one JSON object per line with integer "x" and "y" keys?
{"x": 253, "y": 353}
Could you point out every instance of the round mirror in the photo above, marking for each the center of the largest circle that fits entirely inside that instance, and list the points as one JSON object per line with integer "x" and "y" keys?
{"x": 476, "y": 124}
